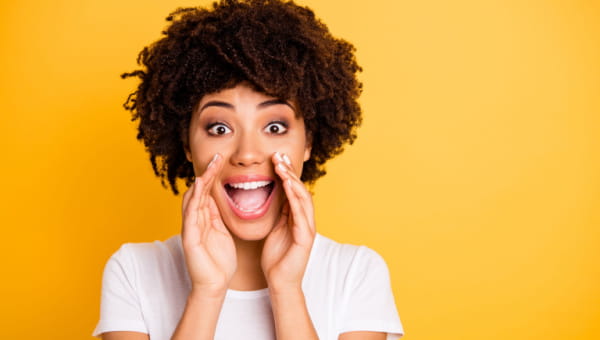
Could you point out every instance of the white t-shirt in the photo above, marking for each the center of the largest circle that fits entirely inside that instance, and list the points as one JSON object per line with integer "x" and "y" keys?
{"x": 346, "y": 288}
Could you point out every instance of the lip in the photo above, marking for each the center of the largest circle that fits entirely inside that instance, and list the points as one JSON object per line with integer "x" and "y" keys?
{"x": 254, "y": 214}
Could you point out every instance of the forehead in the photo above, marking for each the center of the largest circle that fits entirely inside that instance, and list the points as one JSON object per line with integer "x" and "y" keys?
{"x": 235, "y": 93}
{"x": 242, "y": 96}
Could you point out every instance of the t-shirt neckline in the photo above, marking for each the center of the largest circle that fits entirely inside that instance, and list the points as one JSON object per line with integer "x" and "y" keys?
{"x": 247, "y": 294}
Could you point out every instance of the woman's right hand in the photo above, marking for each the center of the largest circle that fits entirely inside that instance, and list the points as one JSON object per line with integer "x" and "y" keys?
{"x": 207, "y": 244}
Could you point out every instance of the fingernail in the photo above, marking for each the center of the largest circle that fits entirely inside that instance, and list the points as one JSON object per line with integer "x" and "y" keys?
{"x": 281, "y": 167}
{"x": 213, "y": 160}
{"x": 287, "y": 159}
{"x": 278, "y": 156}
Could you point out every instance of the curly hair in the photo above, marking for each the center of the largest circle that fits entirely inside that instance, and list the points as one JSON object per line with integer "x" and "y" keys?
{"x": 278, "y": 47}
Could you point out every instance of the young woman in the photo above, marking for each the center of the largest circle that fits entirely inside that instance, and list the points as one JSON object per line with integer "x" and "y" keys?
{"x": 246, "y": 101}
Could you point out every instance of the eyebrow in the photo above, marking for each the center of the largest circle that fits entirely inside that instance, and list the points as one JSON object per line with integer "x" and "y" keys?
{"x": 276, "y": 102}
{"x": 216, "y": 103}
{"x": 260, "y": 106}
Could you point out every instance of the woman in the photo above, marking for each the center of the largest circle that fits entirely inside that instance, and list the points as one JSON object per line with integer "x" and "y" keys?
{"x": 246, "y": 101}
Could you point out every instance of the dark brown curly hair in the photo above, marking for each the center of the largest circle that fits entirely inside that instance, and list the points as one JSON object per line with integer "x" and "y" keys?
{"x": 278, "y": 47}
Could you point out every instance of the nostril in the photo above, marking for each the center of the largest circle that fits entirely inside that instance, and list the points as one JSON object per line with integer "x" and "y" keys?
{"x": 247, "y": 158}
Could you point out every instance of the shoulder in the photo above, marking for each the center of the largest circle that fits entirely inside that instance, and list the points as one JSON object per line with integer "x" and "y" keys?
{"x": 143, "y": 251}
{"x": 345, "y": 255}
{"x": 344, "y": 265}
{"x": 141, "y": 281}
{"x": 352, "y": 283}
{"x": 146, "y": 258}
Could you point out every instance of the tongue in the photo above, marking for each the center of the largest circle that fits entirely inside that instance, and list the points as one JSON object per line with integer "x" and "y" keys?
{"x": 249, "y": 199}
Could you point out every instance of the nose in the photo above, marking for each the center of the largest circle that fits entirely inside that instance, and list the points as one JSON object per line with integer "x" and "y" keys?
{"x": 248, "y": 151}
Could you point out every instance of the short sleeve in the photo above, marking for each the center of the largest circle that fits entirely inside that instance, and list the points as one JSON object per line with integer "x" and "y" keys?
{"x": 120, "y": 306}
{"x": 368, "y": 299}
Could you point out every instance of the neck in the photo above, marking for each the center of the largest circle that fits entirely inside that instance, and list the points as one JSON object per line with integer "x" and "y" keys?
{"x": 249, "y": 274}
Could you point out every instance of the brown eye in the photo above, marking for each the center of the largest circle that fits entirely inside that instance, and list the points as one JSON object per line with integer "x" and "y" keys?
{"x": 218, "y": 129}
{"x": 276, "y": 128}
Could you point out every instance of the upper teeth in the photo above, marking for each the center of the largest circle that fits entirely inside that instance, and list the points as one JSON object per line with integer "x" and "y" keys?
{"x": 249, "y": 185}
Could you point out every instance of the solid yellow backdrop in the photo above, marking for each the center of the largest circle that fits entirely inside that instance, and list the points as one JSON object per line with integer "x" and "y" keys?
{"x": 476, "y": 173}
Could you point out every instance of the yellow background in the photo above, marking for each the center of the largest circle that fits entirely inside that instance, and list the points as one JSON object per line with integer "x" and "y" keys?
{"x": 476, "y": 173}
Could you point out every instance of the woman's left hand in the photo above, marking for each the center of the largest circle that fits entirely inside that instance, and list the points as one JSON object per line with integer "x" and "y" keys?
{"x": 287, "y": 248}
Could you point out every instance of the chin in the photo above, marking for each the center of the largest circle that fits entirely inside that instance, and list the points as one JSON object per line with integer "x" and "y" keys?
{"x": 248, "y": 231}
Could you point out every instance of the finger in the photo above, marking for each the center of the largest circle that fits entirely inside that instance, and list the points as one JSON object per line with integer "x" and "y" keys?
{"x": 190, "y": 233}
{"x": 213, "y": 166}
{"x": 303, "y": 230}
{"x": 196, "y": 212}
{"x": 296, "y": 210}
{"x": 282, "y": 157}
{"x": 285, "y": 172}
{"x": 283, "y": 167}
{"x": 186, "y": 196}
{"x": 298, "y": 191}
{"x": 191, "y": 208}
{"x": 283, "y": 217}
{"x": 285, "y": 211}
{"x": 280, "y": 170}
{"x": 212, "y": 169}
{"x": 209, "y": 176}
{"x": 305, "y": 199}
{"x": 279, "y": 157}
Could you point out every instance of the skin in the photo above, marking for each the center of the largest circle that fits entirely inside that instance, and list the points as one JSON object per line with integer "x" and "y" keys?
{"x": 239, "y": 131}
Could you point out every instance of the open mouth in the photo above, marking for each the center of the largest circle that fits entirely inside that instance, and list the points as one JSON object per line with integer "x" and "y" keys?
{"x": 250, "y": 199}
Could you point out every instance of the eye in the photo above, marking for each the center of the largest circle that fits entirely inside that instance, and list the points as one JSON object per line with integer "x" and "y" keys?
{"x": 276, "y": 128}
{"x": 218, "y": 129}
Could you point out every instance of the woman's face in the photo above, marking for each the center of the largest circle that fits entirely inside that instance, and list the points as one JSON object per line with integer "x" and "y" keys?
{"x": 246, "y": 128}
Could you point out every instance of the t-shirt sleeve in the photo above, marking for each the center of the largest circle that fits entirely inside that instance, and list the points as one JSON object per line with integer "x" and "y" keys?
{"x": 120, "y": 306}
{"x": 368, "y": 299}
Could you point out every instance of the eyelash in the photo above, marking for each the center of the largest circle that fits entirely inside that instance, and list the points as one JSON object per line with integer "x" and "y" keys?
{"x": 212, "y": 128}
{"x": 277, "y": 123}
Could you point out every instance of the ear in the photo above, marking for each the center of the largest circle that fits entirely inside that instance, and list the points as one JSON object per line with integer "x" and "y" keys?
{"x": 188, "y": 152}
{"x": 307, "y": 151}
{"x": 186, "y": 147}
{"x": 308, "y": 146}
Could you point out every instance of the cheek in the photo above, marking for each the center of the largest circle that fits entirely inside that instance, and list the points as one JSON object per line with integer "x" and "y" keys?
{"x": 297, "y": 154}
{"x": 296, "y": 150}
{"x": 201, "y": 153}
